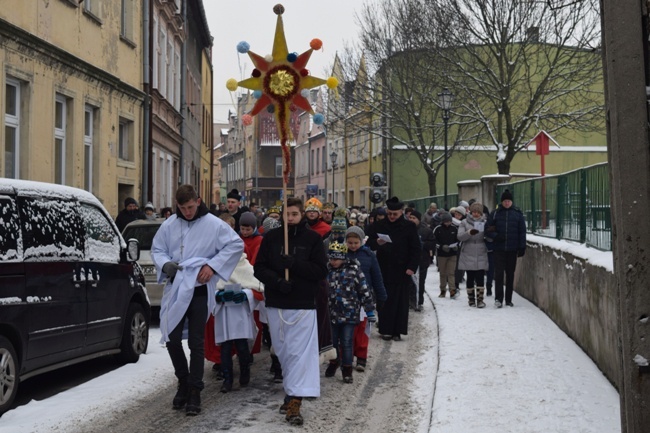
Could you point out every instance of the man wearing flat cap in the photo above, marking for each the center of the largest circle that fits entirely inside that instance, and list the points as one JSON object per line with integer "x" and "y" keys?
{"x": 398, "y": 253}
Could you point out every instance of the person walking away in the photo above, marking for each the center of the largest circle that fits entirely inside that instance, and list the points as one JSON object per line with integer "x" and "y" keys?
{"x": 473, "y": 256}
{"x": 459, "y": 213}
{"x": 192, "y": 263}
{"x": 348, "y": 292}
{"x": 291, "y": 304}
{"x": 426, "y": 258}
{"x": 398, "y": 252}
{"x": 507, "y": 226}
{"x": 446, "y": 236}
{"x": 129, "y": 214}
{"x": 354, "y": 238}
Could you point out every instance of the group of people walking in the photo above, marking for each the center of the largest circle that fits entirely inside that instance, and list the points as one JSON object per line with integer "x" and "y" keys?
{"x": 315, "y": 282}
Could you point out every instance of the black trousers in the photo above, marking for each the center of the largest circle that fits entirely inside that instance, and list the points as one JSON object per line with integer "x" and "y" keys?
{"x": 422, "y": 276}
{"x": 505, "y": 263}
{"x": 226, "y": 354}
{"x": 196, "y": 315}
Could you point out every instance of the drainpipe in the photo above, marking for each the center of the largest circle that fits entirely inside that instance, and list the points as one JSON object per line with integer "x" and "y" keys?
{"x": 181, "y": 158}
{"x": 146, "y": 114}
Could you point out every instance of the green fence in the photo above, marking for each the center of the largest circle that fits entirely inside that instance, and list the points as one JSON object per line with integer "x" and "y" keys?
{"x": 572, "y": 205}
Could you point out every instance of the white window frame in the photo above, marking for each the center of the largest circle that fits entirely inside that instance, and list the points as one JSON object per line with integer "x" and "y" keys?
{"x": 278, "y": 166}
{"x": 156, "y": 50}
{"x": 60, "y": 134}
{"x": 177, "y": 78}
{"x": 170, "y": 71}
{"x": 162, "y": 65}
{"x": 124, "y": 139}
{"x": 89, "y": 125}
{"x": 13, "y": 121}
{"x": 93, "y": 7}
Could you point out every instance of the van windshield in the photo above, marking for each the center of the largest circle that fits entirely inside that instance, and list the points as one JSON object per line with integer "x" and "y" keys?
{"x": 144, "y": 235}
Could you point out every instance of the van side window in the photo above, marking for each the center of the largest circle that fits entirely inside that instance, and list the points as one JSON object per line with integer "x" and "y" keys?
{"x": 102, "y": 242}
{"x": 52, "y": 229}
{"x": 10, "y": 245}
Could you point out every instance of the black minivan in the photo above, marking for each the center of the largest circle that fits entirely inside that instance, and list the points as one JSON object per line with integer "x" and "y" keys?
{"x": 70, "y": 289}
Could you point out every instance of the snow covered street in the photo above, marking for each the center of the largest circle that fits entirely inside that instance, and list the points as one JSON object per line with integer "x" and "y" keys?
{"x": 460, "y": 369}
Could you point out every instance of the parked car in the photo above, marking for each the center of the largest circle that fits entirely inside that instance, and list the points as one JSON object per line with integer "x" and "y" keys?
{"x": 69, "y": 287}
{"x": 144, "y": 231}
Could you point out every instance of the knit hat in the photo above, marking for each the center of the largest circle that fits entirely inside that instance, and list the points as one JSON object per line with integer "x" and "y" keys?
{"x": 339, "y": 225}
{"x": 270, "y": 224}
{"x": 149, "y": 205}
{"x": 248, "y": 219}
{"x": 234, "y": 194}
{"x": 381, "y": 211}
{"x": 130, "y": 200}
{"x": 464, "y": 204}
{"x": 445, "y": 217}
{"x": 476, "y": 207}
{"x": 417, "y": 214}
{"x": 355, "y": 231}
{"x": 313, "y": 205}
{"x": 461, "y": 210}
{"x": 337, "y": 251}
{"x": 393, "y": 203}
{"x": 507, "y": 195}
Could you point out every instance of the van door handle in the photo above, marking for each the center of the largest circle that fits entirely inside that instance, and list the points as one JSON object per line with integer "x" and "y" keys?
{"x": 91, "y": 279}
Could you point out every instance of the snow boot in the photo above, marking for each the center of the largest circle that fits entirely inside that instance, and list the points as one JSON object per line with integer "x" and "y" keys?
{"x": 470, "y": 297}
{"x": 293, "y": 412}
{"x": 452, "y": 293}
{"x": 489, "y": 290}
{"x": 479, "y": 297}
{"x": 193, "y": 402}
{"x": 181, "y": 394}
{"x": 227, "y": 381}
{"x": 442, "y": 294}
{"x": 347, "y": 373}
{"x": 361, "y": 364}
{"x": 218, "y": 374}
{"x": 331, "y": 368}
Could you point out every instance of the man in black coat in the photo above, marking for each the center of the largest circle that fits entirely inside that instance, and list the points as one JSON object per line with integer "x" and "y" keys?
{"x": 398, "y": 252}
{"x": 129, "y": 214}
{"x": 426, "y": 258}
{"x": 507, "y": 227}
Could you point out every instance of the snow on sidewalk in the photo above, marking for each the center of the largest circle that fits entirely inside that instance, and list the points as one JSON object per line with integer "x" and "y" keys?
{"x": 513, "y": 370}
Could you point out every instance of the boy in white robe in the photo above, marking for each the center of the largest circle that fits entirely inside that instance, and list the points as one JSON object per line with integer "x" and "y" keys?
{"x": 192, "y": 262}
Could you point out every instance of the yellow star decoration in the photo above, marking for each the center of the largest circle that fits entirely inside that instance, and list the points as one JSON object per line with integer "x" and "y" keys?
{"x": 281, "y": 78}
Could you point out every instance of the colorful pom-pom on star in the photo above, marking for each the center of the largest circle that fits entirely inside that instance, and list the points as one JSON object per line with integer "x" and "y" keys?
{"x": 304, "y": 72}
{"x": 247, "y": 119}
{"x": 232, "y": 84}
{"x": 318, "y": 119}
{"x": 270, "y": 108}
{"x": 257, "y": 94}
{"x": 304, "y": 93}
{"x": 268, "y": 58}
{"x": 292, "y": 57}
{"x": 332, "y": 82}
{"x": 278, "y": 9}
{"x": 243, "y": 47}
{"x": 316, "y": 44}
{"x": 256, "y": 73}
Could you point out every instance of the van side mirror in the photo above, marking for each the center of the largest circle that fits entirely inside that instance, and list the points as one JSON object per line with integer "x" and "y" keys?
{"x": 132, "y": 250}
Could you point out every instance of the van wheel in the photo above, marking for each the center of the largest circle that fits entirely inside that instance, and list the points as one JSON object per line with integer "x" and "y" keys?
{"x": 135, "y": 337}
{"x": 8, "y": 374}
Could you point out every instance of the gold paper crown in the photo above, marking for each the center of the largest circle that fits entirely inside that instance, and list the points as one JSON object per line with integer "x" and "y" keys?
{"x": 338, "y": 247}
{"x": 341, "y": 213}
{"x": 274, "y": 209}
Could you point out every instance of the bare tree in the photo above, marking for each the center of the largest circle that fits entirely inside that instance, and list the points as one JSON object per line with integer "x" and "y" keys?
{"x": 521, "y": 66}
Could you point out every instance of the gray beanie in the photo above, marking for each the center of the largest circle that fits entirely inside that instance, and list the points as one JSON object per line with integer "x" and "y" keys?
{"x": 270, "y": 224}
{"x": 248, "y": 219}
{"x": 357, "y": 231}
{"x": 464, "y": 204}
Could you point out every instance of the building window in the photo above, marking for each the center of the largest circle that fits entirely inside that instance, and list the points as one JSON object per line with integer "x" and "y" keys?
{"x": 12, "y": 129}
{"x": 93, "y": 7}
{"x": 170, "y": 71}
{"x": 91, "y": 161}
{"x": 177, "y": 78}
{"x": 60, "y": 120}
{"x": 126, "y": 15}
{"x": 156, "y": 51}
{"x": 318, "y": 160}
{"x": 162, "y": 60}
{"x": 125, "y": 138}
{"x": 278, "y": 166}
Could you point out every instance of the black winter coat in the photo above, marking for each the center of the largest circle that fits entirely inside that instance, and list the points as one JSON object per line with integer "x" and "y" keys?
{"x": 510, "y": 234}
{"x": 309, "y": 268}
{"x": 399, "y": 255}
{"x": 446, "y": 235}
{"x": 428, "y": 244}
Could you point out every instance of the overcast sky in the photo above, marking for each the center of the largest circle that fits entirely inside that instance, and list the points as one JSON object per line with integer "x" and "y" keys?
{"x": 253, "y": 21}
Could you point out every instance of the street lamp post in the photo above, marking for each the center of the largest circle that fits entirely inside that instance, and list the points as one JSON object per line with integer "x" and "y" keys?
{"x": 446, "y": 98}
{"x": 333, "y": 157}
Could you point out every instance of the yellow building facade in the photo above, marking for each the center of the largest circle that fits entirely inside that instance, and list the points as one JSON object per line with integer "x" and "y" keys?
{"x": 70, "y": 80}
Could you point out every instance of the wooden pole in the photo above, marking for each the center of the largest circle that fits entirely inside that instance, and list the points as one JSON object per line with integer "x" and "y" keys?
{"x": 284, "y": 217}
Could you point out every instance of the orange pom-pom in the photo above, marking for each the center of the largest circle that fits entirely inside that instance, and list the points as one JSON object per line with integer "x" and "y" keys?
{"x": 316, "y": 44}
{"x": 247, "y": 119}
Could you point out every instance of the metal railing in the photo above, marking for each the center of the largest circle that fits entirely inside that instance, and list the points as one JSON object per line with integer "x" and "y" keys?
{"x": 576, "y": 205}
{"x": 422, "y": 203}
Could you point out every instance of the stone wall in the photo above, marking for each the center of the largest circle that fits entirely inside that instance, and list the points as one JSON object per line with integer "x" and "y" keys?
{"x": 579, "y": 297}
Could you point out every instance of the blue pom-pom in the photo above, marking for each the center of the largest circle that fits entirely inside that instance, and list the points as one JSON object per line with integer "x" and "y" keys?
{"x": 257, "y": 94}
{"x": 304, "y": 93}
{"x": 243, "y": 47}
{"x": 292, "y": 57}
{"x": 319, "y": 119}
{"x": 271, "y": 108}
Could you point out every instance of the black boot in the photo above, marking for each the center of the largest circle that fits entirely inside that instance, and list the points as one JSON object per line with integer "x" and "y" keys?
{"x": 347, "y": 373}
{"x": 244, "y": 373}
{"x": 276, "y": 369}
{"x": 227, "y": 381}
{"x": 331, "y": 368}
{"x": 193, "y": 402}
{"x": 181, "y": 394}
